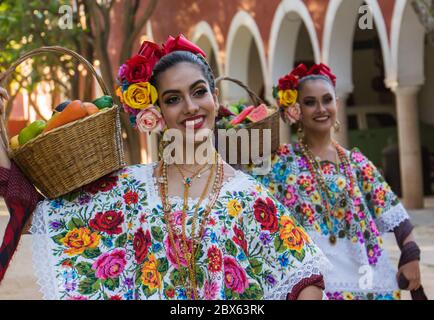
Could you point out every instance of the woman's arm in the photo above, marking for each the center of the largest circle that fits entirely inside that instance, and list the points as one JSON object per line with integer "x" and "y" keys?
{"x": 20, "y": 197}
{"x": 311, "y": 293}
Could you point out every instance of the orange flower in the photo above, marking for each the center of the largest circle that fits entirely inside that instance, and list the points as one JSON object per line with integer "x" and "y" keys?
{"x": 150, "y": 275}
{"x": 79, "y": 240}
{"x": 293, "y": 237}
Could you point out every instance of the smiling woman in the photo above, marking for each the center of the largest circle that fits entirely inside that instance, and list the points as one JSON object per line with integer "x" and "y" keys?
{"x": 338, "y": 195}
{"x": 173, "y": 230}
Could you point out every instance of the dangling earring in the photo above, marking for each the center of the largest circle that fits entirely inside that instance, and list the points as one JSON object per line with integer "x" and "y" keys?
{"x": 337, "y": 126}
{"x": 161, "y": 146}
{"x": 300, "y": 131}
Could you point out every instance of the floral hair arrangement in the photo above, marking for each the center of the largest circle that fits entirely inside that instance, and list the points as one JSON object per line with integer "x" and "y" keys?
{"x": 286, "y": 92}
{"x": 137, "y": 94}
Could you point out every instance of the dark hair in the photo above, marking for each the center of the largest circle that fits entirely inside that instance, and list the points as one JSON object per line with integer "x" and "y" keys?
{"x": 176, "y": 57}
{"x": 303, "y": 81}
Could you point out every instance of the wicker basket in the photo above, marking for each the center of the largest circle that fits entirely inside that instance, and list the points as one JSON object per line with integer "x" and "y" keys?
{"x": 71, "y": 156}
{"x": 271, "y": 122}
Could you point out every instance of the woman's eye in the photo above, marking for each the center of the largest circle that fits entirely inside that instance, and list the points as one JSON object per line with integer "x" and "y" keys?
{"x": 327, "y": 100}
{"x": 200, "y": 92}
{"x": 171, "y": 100}
{"x": 309, "y": 102}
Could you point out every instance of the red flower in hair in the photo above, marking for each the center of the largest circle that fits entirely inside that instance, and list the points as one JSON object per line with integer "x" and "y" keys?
{"x": 300, "y": 71}
{"x": 322, "y": 69}
{"x": 151, "y": 51}
{"x": 182, "y": 44}
{"x": 288, "y": 82}
{"x": 139, "y": 69}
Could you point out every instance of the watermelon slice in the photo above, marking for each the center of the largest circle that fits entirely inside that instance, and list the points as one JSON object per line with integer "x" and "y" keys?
{"x": 260, "y": 113}
{"x": 240, "y": 118}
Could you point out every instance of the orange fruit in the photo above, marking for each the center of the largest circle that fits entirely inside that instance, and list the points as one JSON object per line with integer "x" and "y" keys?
{"x": 90, "y": 108}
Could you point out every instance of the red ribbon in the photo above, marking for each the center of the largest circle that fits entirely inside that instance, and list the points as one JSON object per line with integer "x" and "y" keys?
{"x": 154, "y": 52}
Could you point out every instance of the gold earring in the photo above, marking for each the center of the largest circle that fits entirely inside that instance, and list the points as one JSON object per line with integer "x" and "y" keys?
{"x": 337, "y": 126}
{"x": 161, "y": 146}
{"x": 300, "y": 132}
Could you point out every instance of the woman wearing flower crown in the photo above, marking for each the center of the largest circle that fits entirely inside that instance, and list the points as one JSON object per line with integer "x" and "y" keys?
{"x": 338, "y": 195}
{"x": 173, "y": 230}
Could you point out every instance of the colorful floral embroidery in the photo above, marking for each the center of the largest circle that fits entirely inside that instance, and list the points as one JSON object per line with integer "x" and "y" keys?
{"x": 353, "y": 218}
{"x": 346, "y": 295}
{"x": 115, "y": 245}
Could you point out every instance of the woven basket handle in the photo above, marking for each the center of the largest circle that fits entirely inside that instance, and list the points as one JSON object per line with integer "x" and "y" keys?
{"x": 54, "y": 49}
{"x": 253, "y": 96}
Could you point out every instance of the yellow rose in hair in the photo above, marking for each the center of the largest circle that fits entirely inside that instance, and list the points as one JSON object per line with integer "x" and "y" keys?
{"x": 288, "y": 98}
{"x": 140, "y": 95}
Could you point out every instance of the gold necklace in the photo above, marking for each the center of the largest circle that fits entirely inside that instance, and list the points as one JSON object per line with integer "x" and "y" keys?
{"x": 197, "y": 175}
{"x": 190, "y": 257}
{"x": 316, "y": 172}
{"x": 188, "y": 180}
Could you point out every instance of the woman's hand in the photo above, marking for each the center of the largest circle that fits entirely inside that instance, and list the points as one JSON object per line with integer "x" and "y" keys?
{"x": 4, "y": 159}
{"x": 3, "y": 97}
{"x": 411, "y": 271}
{"x": 310, "y": 293}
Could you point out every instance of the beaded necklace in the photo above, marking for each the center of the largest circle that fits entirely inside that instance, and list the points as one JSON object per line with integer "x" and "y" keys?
{"x": 190, "y": 257}
{"x": 316, "y": 172}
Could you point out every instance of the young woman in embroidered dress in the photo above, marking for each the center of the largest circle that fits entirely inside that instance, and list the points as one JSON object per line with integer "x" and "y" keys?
{"x": 173, "y": 231}
{"x": 338, "y": 195}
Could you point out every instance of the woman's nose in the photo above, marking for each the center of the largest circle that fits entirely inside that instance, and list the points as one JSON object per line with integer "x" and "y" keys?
{"x": 321, "y": 107}
{"x": 190, "y": 106}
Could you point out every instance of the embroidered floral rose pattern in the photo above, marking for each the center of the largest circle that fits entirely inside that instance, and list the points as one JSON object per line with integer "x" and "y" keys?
{"x": 110, "y": 241}
{"x": 357, "y": 218}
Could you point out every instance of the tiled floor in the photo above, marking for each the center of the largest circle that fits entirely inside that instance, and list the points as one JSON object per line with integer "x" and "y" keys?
{"x": 20, "y": 282}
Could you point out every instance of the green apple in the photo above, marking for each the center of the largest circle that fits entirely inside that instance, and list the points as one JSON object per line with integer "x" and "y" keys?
{"x": 31, "y": 131}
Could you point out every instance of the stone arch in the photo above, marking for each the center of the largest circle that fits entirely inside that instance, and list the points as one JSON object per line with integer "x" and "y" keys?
{"x": 245, "y": 57}
{"x": 204, "y": 37}
{"x": 338, "y": 36}
{"x": 289, "y": 17}
{"x": 407, "y": 46}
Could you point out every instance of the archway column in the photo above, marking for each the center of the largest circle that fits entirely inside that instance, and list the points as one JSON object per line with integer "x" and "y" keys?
{"x": 342, "y": 136}
{"x": 410, "y": 155}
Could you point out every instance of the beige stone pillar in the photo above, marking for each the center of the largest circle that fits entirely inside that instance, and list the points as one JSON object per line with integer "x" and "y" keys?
{"x": 409, "y": 146}
{"x": 342, "y": 136}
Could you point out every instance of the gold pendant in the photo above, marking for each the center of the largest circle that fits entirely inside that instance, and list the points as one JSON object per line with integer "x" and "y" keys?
{"x": 332, "y": 239}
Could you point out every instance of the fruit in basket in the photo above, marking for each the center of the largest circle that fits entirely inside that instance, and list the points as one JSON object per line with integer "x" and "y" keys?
{"x": 225, "y": 112}
{"x": 74, "y": 111}
{"x": 14, "y": 143}
{"x": 90, "y": 108}
{"x": 103, "y": 102}
{"x": 242, "y": 116}
{"x": 31, "y": 131}
{"x": 62, "y": 106}
{"x": 54, "y": 116}
{"x": 258, "y": 114}
{"x": 234, "y": 109}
